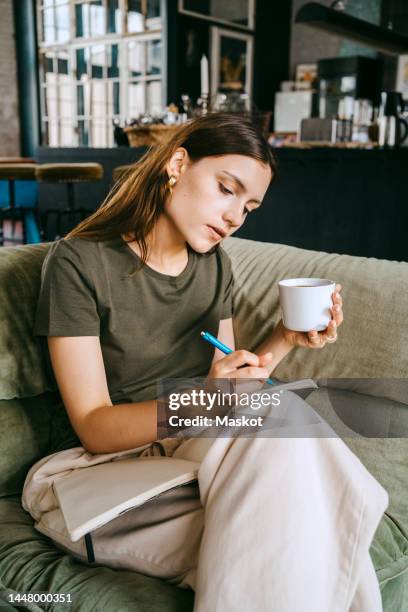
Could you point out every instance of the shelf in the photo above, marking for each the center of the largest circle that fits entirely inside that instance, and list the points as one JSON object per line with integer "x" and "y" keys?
{"x": 342, "y": 24}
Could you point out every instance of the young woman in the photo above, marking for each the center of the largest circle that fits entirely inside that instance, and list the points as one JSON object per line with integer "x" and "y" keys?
{"x": 280, "y": 524}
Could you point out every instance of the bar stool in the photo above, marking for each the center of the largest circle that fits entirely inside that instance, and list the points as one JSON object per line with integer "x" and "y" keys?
{"x": 69, "y": 174}
{"x": 12, "y": 172}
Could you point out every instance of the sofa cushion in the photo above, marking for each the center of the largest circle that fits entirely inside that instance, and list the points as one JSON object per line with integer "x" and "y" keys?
{"x": 371, "y": 417}
{"x": 375, "y": 296}
{"x": 22, "y": 361}
{"x": 30, "y": 561}
{"x": 31, "y": 428}
{"x": 373, "y": 340}
{"x": 389, "y": 552}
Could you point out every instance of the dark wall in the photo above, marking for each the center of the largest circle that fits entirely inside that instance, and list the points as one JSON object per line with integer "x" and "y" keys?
{"x": 394, "y": 13}
{"x": 193, "y": 34}
{"x": 334, "y": 200}
{"x": 173, "y": 68}
{"x": 272, "y": 47}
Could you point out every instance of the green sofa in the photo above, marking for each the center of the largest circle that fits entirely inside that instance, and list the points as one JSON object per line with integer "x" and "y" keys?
{"x": 370, "y": 415}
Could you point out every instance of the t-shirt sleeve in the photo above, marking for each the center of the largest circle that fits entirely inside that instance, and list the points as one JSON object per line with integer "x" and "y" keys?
{"x": 227, "y": 307}
{"x": 67, "y": 303}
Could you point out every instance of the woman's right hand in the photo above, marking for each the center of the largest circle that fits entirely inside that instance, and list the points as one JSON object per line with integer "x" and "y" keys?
{"x": 241, "y": 364}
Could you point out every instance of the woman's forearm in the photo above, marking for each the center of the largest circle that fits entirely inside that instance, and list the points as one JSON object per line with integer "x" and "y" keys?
{"x": 121, "y": 427}
{"x": 124, "y": 426}
{"x": 277, "y": 345}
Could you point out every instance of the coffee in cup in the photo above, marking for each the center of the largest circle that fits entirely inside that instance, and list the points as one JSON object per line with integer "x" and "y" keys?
{"x": 306, "y": 303}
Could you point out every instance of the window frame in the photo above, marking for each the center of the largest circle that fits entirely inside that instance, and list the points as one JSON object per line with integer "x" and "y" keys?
{"x": 107, "y": 39}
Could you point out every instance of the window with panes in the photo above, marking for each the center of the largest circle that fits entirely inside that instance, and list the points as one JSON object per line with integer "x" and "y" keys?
{"x": 100, "y": 60}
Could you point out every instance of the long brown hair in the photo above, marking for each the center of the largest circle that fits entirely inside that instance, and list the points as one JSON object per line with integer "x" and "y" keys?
{"x": 136, "y": 201}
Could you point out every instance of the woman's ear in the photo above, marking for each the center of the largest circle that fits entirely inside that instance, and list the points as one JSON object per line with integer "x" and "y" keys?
{"x": 177, "y": 163}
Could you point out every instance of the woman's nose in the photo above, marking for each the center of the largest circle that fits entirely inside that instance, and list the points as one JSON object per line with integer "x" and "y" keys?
{"x": 233, "y": 216}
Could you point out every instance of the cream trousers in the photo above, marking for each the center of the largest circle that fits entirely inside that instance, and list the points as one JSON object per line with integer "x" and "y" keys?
{"x": 277, "y": 522}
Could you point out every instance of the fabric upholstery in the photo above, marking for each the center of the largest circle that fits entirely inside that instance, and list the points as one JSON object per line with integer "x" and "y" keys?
{"x": 31, "y": 428}
{"x": 374, "y": 337}
{"x": 27, "y": 423}
{"x": 22, "y": 363}
{"x": 389, "y": 552}
{"x": 373, "y": 340}
{"x": 29, "y": 561}
{"x": 376, "y": 303}
{"x": 375, "y": 294}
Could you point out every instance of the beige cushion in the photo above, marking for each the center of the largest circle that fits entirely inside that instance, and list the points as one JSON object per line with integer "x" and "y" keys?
{"x": 373, "y": 340}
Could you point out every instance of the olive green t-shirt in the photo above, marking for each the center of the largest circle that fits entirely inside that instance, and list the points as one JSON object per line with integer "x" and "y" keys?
{"x": 148, "y": 323}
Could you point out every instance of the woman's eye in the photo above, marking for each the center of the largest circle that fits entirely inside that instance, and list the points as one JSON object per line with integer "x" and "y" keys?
{"x": 223, "y": 189}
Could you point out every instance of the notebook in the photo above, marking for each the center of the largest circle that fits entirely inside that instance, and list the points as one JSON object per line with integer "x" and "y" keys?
{"x": 93, "y": 496}
{"x": 295, "y": 385}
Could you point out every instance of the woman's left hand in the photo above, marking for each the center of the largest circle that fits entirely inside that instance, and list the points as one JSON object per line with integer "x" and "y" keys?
{"x": 313, "y": 338}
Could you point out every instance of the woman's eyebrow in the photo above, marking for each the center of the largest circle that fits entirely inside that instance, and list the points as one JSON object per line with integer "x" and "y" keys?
{"x": 240, "y": 184}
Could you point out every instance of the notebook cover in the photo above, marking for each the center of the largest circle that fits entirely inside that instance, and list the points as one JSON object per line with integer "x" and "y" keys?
{"x": 90, "y": 497}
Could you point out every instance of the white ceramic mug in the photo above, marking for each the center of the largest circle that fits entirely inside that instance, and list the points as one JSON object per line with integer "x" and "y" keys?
{"x": 306, "y": 303}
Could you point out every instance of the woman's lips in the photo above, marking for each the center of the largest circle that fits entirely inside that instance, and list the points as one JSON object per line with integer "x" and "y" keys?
{"x": 214, "y": 233}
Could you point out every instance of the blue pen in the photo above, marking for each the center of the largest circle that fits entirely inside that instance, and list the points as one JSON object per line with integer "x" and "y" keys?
{"x": 224, "y": 349}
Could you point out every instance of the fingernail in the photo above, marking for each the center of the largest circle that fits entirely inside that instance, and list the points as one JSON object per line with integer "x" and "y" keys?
{"x": 337, "y": 307}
